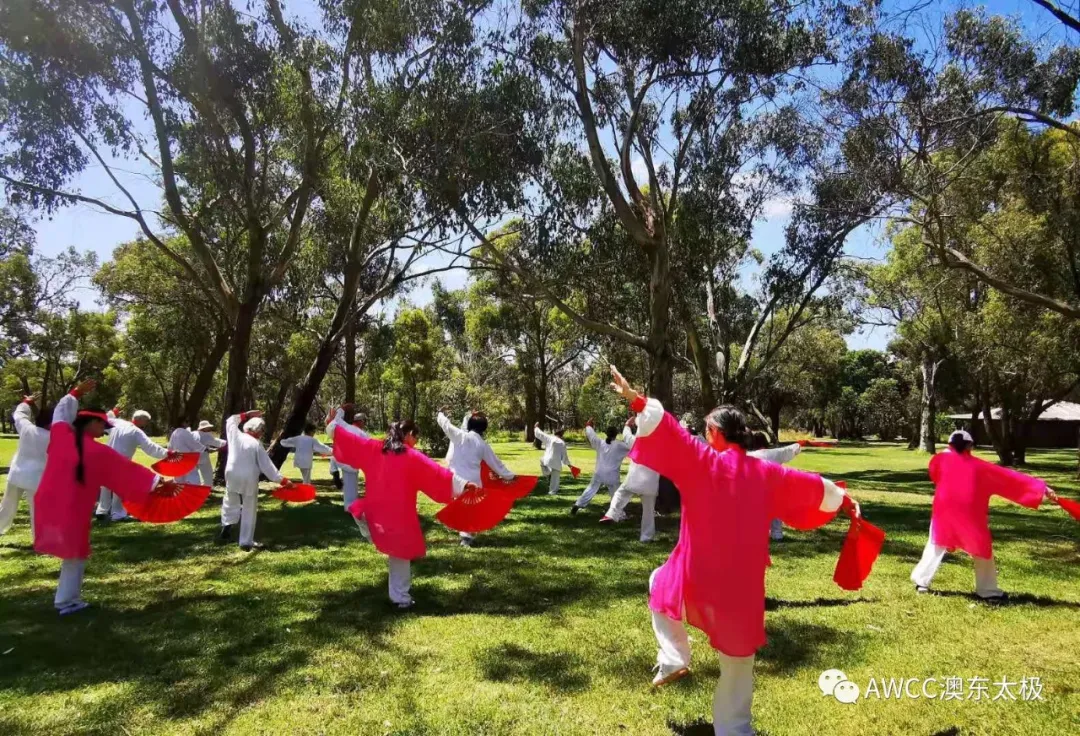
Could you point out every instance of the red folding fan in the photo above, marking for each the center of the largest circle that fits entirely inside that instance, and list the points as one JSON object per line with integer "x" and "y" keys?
{"x": 476, "y": 510}
{"x": 182, "y": 465}
{"x": 169, "y": 502}
{"x": 296, "y": 493}
{"x": 1071, "y": 506}
{"x": 575, "y": 471}
{"x": 861, "y": 549}
{"x": 519, "y": 487}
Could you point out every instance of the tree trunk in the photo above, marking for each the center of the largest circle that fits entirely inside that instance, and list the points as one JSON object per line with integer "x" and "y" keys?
{"x": 236, "y": 385}
{"x": 205, "y": 380}
{"x": 661, "y": 359}
{"x": 305, "y": 396}
{"x": 273, "y": 414}
{"x": 928, "y": 414}
{"x": 350, "y": 362}
{"x": 997, "y": 438}
{"x": 775, "y": 407}
{"x": 531, "y": 417}
{"x": 542, "y": 399}
{"x": 702, "y": 365}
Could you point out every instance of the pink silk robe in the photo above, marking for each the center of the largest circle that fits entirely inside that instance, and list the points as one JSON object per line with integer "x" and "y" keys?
{"x": 963, "y": 485}
{"x": 716, "y": 573}
{"x": 389, "y": 503}
{"x": 63, "y": 507}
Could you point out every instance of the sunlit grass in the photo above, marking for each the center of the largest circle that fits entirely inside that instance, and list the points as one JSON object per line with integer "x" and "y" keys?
{"x": 543, "y": 628}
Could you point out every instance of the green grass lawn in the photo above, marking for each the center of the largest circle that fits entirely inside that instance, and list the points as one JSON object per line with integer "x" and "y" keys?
{"x": 543, "y": 628}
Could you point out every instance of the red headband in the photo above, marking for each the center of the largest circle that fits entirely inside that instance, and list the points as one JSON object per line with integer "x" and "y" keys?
{"x": 95, "y": 415}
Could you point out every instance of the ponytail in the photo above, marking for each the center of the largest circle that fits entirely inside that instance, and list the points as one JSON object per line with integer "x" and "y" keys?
{"x": 731, "y": 423}
{"x": 79, "y": 425}
{"x": 395, "y": 437}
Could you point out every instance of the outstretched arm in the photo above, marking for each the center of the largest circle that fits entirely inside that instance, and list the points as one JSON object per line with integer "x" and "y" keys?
{"x": 778, "y": 455}
{"x": 320, "y": 448}
{"x": 452, "y": 433}
{"x": 289, "y": 442}
{"x": 150, "y": 447}
{"x": 496, "y": 464}
{"x": 1010, "y": 484}
{"x": 433, "y": 480}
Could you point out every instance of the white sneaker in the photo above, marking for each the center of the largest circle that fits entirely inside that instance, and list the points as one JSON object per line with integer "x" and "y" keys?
{"x": 667, "y": 674}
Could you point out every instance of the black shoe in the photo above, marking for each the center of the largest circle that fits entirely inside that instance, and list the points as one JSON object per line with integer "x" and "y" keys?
{"x": 336, "y": 478}
{"x": 996, "y": 600}
{"x": 101, "y": 517}
{"x": 225, "y": 535}
{"x": 249, "y": 547}
{"x": 574, "y": 509}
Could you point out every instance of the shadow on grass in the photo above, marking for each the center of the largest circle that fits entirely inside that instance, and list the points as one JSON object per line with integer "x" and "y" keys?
{"x": 772, "y": 604}
{"x": 563, "y": 672}
{"x": 1015, "y": 599}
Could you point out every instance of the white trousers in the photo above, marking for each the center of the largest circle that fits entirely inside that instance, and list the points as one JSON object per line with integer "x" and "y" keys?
{"x": 305, "y": 473}
{"x": 10, "y": 505}
{"x": 734, "y": 696}
{"x": 241, "y": 503}
{"x": 776, "y": 529}
{"x": 617, "y": 510}
{"x": 206, "y": 470}
{"x": 109, "y": 503}
{"x": 350, "y": 491}
{"x": 594, "y": 485}
{"x": 986, "y": 584}
{"x": 400, "y": 579}
{"x": 69, "y": 587}
{"x": 553, "y": 477}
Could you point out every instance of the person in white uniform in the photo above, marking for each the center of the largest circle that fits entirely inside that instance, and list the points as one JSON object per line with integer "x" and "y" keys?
{"x": 759, "y": 445}
{"x": 125, "y": 437}
{"x": 640, "y": 481}
{"x": 247, "y": 460}
{"x": 28, "y": 462}
{"x": 469, "y": 449}
{"x": 464, "y": 428}
{"x": 304, "y": 447}
{"x": 350, "y": 477}
{"x": 555, "y": 457}
{"x": 610, "y": 453}
{"x": 185, "y": 440}
{"x": 212, "y": 445}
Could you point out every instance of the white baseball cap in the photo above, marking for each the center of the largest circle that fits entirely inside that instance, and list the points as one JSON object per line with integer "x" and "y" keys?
{"x": 961, "y": 434}
{"x": 205, "y": 425}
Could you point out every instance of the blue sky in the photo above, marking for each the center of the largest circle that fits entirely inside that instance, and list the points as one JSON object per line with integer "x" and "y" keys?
{"x": 88, "y": 229}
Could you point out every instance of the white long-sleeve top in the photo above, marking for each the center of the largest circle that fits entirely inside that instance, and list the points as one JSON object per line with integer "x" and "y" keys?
{"x": 649, "y": 419}
{"x": 609, "y": 456}
{"x": 450, "y": 449}
{"x": 778, "y": 455}
{"x": 304, "y": 447}
{"x": 125, "y": 438}
{"x": 183, "y": 439}
{"x": 209, "y": 441}
{"x": 339, "y": 422}
{"x": 29, "y": 461}
{"x": 470, "y": 450}
{"x": 554, "y": 451}
{"x": 639, "y": 479}
{"x": 247, "y": 457}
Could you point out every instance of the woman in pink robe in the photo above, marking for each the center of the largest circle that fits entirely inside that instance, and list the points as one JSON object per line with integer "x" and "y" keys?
{"x": 715, "y": 577}
{"x": 963, "y": 485}
{"x": 395, "y": 472}
{"x": 76, "y": 469}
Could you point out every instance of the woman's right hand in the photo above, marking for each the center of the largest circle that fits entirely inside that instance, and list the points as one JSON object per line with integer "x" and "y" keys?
{"x": 622, "y": 387}
{"x": 84, "y": 388}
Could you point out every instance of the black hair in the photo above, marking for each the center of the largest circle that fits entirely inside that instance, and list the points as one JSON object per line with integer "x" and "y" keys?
{"x": 559, "y": 432}
{"x": 612, "y": 433}
{"x": 958, "y": 443}
{"x": 395, "y": 436}
{"x": 44, "y": 417}
{"x": 758, "y": 441}
{"x": 477, "y": 423}
{"x": 731, "y": 422}
{"x": 79, "y": 425}
{"x": 308, "y": 428}
{"x": 181, "y": 421}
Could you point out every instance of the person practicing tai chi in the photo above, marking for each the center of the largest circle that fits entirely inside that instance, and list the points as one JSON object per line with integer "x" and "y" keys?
{"x": 350, "y": 476}
{"x": 28, "y": 463}
{"x": 759, "y": 448}
{"x": 610, "y": 452}
{"x": 184, "y": 440}
{"x": 640, "y": 481}
{"x": 555, "y": 457}
{"x": 469, "y": 449}
{"x": 212, "y": 445}
{"x": 76, "y": 468}
{"x": 394, "y": 471}
{"x": 125, "y": 437}
{"x": 963, "y": 485}
{"x": 715, "y": 576}
{"x": 247, "y": 460}
{"x": 304, "y": 447}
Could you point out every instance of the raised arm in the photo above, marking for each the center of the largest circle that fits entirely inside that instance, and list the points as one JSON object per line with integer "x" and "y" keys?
{"x": 454, "y": 434}
{"x": 778, "y": 455}
{"x": 232, "y": 427}
{"x": 541, "y": 436}
{"x": 23, "y": 417}
{"x": 1010, "y": 484}
{"x": 67, "y": 408}
{"x": 628, "y": 437}
{"x": 592, "y": 437}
